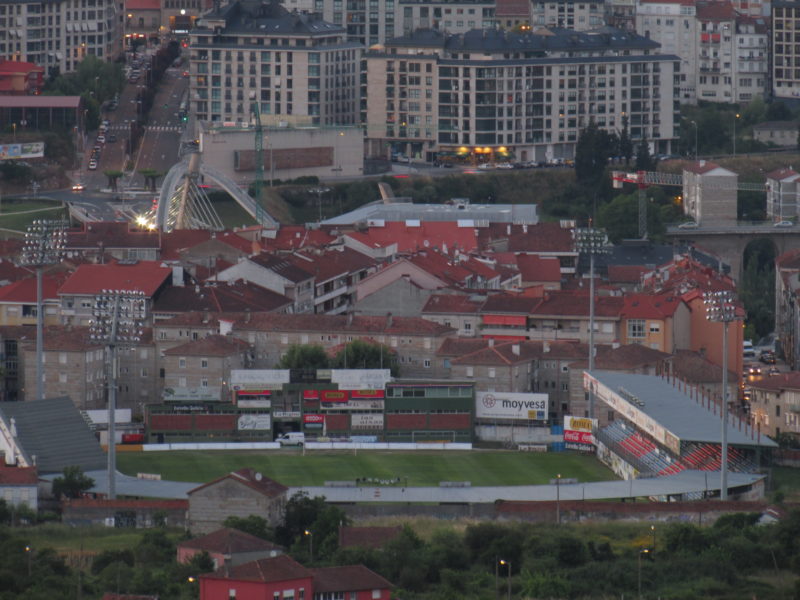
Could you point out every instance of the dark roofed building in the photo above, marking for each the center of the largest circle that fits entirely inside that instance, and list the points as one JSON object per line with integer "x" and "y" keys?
{"x": 228, "y": 547}
{"x": 52, "y": 434}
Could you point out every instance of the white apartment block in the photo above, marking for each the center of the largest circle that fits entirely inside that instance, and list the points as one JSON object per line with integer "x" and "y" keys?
{"x": 783, "y": 192}
{"x": 58, "y": 34}
{"x": 578, "y": 15}
{"x": 724, "y": 55}
{"x": 453, "y": 17}
{"x": 293, "y": 65}
{"x": 496, "y": 95}
{"x": 785, "y": 50}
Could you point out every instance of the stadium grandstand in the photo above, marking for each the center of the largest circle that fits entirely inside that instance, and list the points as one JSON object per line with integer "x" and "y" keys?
{"x": 662, "y": 427}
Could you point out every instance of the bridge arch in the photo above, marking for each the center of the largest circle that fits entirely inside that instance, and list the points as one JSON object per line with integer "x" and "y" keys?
{"x": 184, "y": 205}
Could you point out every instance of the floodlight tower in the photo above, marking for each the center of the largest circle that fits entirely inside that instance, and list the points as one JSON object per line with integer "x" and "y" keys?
{"x": 118, "y": 317}
{"x": 591, "y": 241}
{"x": 721, "y": 308}
{"x": 44, "y": 245}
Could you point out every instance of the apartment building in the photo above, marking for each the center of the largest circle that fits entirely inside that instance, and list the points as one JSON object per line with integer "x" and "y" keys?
{"x": 492, "y": 95}
{"x": 59, "y": 34}
{"x": 783, "y": 189}
{"x": 785, "y": 51}
{"x": 453, "y": 17}
{"x": 577, "y": 15}
{"x": 294, "y": 67}
{"x": 751, "y": 58}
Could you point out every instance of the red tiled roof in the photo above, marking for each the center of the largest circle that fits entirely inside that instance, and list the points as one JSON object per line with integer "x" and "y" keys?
{"x": 789, "y": 260}
{"x": 784, "y": 381}
{"x": 278, "y": 568}
{"x": 144, "y": 276}
{"x": 220, "y": 296}
{"x": 429, "y": 234}
{"x": 542, "y": 237}
{"x": 365, "y": 239}
{"x": 122, "y": 503}
{"x": 333, "y": 263}
{"x": 23, "y": 291}
{"x": 537, "y": 268}
{"x": 701, "y": 167}
{"x": 576, "y": 303}
{"x": 649, "y": 306}
{"x": 458, "y": 346}
{"x": 366, "y": 537}
{"x": 503, "y": 354}
{"x": 444, "y": 268}
{"x": 480, "y": 268}
{"x": 18, "y": 66}
{"x": 252, "y": 479}
{"x": 330, "y": 580}
{"x": 510, "y": 302}
{"x": 212, "y": 345}
{"x": 718, "y": 10}
{"x": 111, "y": 234}
{"x": 450, "y": 304}
{"x": 229, "y": 541}
{"x": 296, "y": 237}
{"x": 59, "y": 338}
{"x": 18, "y": 475}
{"x": 783, "y": 174}
{"x": 690, "y": 366}
{"x": 283, "y": 266}
{"x": 626, "y": 273}
{"x": 512, "y": 8}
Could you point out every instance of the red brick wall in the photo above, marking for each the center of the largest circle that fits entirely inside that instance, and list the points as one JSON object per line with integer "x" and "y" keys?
{"x": 406, "y": 422}
{"x": 181, "y": 422}
{"x": 337, "y": 422}
{"x": 215, "y": 422}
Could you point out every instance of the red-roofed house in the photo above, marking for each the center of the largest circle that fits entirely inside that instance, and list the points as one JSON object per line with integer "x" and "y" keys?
{"x": 657, "y": 321}
{"x": 564, "y": 315}
{"x": 626, "y": 277}
{"x": 20, "y": 78}
{"x": 454, "y": 310}
{"x": 336, "y": 277}
{"x": 783, "y": 191}
{"x": 775, "y": 404}
{"x": 97, "y": 241}
{"x": 290, "y": 238}
{"x": 79, "y": 290}
{"x": 18, "y": 299}
{"x": 542, "y": 239}
{"x": 240, "y": 494}
{"x": 19, "y": 486}
{"x": 415, "y": 235}
{"x": 505, "y": 316}
{"x": 380, "y": 250}
{"x": 283, "y": 577}
{"x": 228, "y": 547}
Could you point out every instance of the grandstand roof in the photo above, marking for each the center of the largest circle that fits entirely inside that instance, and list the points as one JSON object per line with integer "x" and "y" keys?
{"x": 673, "y": 409}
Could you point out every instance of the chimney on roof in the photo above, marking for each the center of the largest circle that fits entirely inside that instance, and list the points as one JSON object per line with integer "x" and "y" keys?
{"x": 389, "y": 320}
{"x": 491, "y": 342}
{"x": 525, "y": 228}
{"x": 177, "y": 276}
{"x": 515, "y": 349}
{"x": 508, "y": 229}
{"x": 225, "y": 327}
{"x": 246, "y": 315}
{"x": 702, "y": 163}
{"x": 206, "y": 317}
{"x": 545, "y": 347}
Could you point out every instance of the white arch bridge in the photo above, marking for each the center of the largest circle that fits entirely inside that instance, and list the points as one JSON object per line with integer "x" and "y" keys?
{"x": 183, "y": 204}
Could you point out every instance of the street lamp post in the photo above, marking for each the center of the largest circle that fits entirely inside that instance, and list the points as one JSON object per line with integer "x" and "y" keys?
{"x": 310, "y": 535}
{"x": 735, "y": 118}
{"x": 44, "y": 245}
{"x": 646, "y": 552}
{"x": 558, "y": 499}
{"x": 118, "y": 316}
{"x": 720, "y": 307}
{"x": 507, "y": 564}
{"x": 592, "y": 242}
{"x": 653, "y": 538}
{"x": 29, "y": 554}
{"x": 319, "y": 191}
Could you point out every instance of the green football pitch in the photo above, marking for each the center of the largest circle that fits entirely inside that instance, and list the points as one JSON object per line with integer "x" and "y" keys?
{"x": 423, "y": 468}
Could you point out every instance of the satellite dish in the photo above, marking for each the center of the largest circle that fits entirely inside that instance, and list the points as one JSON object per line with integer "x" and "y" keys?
{"x": 259, "y": 476}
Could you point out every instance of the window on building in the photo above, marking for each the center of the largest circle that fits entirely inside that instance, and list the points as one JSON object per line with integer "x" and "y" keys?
{"x": 203, "y": 363}
{"x": 182, "y": 363}
{"x": 181, "y": 381}
{"x": 492, "y": 373}
{"x": 636, "y": 329}
{"x": 655, "y": 327}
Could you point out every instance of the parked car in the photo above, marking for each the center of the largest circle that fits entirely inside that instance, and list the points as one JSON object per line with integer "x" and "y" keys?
{"x": 92, "y": 165}
{"x": 101, "y": 138}
{"x": 486, "y": 166}
{"x": 111, "y": 138}
{"x": 773, "y": 371}
{"x": 767, "y": 357}
{"x": 783, "y": 224}
{"x": 688, "y": 225}
{"x": 78, "y": 187}
{"x": 505, "y": 165}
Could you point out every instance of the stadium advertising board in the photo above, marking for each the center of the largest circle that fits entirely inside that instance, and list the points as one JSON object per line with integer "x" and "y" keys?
{"x": 26, "y": 150}
{"x": 355, "y": 405}
{"x": 254, "y": 422}
{"x": 366, "y": 421}
{"x": 253, "y": 398}
{"x": 179, "y": 394}
{"x": 259, "y": 379}
{"x": 578, "y": 433}
{"x": 510, "y": 405}
{"x": 631, "y": 412}
{"x": 361, "y": 379}
{"x": 313, "y": 421}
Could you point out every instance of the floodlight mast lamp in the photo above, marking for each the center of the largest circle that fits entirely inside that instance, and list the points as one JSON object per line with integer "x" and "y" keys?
{"x": 721, "y": 308}
{"x": 593, "y": 242}
{"x": 118, "y": 317}
{"x": 44, "y": 245}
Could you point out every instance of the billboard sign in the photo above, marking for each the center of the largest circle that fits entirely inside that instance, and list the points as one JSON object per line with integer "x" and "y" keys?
{"x": 254, "y": 422}
{"x": 337, "y": 396}
{"x": 314, "y": 421}
{"x": 355, "y": 405}
{"x": 510, "y": 405}
{"x": 365, "y": 421}
{"x": 259, "y": 379}
{"x": 179, "y": 394}
{"x": 26, "y": 150}
{"x": 361, "y": 379}
{"x": 578, "y": 432}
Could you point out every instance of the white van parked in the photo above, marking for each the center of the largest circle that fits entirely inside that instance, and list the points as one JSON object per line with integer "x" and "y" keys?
{"x": 748, "y": 351}
{"x": 293, "y": 438}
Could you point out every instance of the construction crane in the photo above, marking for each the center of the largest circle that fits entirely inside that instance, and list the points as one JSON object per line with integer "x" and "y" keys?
{"x": 644, "y": 179}
{"x": 259, "y": 158}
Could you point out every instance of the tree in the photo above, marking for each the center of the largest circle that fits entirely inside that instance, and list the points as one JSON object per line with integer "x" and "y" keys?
{"x": 113, "y": 176}
{"x": 72, "y": 483}
{"x": 253, "y": 524}
{"x": 314, "y": 515}
{"x": 594, "y": 148}
{"x": 150, "y": 177}
{"x": 304, "y": 356}
{"x": 644, "y": 161}
{"x": 359, "y": 354}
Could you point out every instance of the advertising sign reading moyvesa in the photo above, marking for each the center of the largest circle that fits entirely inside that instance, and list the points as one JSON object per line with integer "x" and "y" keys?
{"x": 509, "y": 405}
{"x": 578, "y": 430}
